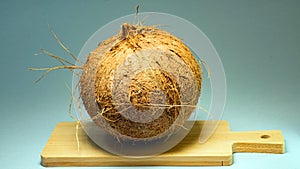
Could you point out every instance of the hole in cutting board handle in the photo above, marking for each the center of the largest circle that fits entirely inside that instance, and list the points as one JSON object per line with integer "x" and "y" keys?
{"x": 265, "y": 136}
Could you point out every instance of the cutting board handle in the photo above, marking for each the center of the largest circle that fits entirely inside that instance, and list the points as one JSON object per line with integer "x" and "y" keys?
{"x": 263, "y": 141}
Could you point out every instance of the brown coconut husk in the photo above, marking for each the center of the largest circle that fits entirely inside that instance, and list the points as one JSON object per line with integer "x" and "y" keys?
{"x": 135, "y": 85}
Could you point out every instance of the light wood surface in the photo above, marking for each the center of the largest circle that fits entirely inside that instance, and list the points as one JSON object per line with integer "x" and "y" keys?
{"x": 62, "y": 150}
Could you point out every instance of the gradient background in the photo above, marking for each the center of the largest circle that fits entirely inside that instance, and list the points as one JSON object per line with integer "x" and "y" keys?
{"x": 258, "y": 42}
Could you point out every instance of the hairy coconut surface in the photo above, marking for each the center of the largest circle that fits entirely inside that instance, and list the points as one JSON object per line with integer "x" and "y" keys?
{"x": 140, "y": 83}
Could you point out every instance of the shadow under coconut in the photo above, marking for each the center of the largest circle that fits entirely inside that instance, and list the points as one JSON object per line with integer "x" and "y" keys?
{"x": 191, "y": 139}
{"x": 142, "y": 149}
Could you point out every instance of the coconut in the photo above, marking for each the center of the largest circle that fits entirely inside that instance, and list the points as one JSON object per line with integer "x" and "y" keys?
{"x": 140, "y": 84}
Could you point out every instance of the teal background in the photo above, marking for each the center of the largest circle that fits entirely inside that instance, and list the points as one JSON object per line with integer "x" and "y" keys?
{"x": 258, "y": 42}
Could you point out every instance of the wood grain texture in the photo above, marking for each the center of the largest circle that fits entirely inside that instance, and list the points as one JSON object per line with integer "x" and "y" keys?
{"x": 61, "y": 148}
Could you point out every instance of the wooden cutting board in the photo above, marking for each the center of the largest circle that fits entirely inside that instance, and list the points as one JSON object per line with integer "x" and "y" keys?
{"x": 62, "y": 149}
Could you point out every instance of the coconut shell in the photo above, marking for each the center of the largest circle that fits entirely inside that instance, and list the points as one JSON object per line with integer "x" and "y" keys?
{"x": 140, "y": 83}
